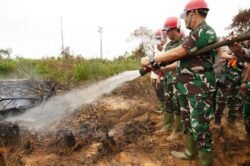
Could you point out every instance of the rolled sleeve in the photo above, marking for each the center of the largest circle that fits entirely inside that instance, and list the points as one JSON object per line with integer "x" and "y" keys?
{"x": 189, "y": 45}
{"x": 200, "y": 39}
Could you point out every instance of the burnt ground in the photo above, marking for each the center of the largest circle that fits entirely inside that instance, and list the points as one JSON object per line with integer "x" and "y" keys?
{"x": 119, "y": 129}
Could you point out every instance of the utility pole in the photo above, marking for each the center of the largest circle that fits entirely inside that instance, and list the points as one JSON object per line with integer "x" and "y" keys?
{"x": 100, "y": 29}
{"x": 62, "y": 35}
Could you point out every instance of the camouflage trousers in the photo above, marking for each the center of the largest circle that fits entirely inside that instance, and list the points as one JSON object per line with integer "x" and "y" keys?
{"x": 196, "y": 113}
{"x": 227, "y": 96}
{"x": 185, "y": 114}
{"x": 246, "y": 109}
{"x": 171, "y": 102}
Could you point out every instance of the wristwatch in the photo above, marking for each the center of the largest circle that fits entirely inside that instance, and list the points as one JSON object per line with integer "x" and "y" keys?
{"x": 151, "y": 60}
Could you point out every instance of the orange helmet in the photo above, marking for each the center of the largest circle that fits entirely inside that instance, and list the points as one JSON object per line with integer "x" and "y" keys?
{"x": 171, "y": 22}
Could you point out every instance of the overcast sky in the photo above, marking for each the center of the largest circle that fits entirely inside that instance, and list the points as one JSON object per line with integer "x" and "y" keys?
{"x": 32, "y": 27}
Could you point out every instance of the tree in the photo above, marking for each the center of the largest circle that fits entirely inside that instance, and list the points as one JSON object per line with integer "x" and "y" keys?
{"x": 5, "y": 53}
{"x": 143, "y": 33}
{"x": 66, "y": 53}
{"x": 145, "y": 37}
{"x": 139, "y": 52}
{"x": 241, "y": 23}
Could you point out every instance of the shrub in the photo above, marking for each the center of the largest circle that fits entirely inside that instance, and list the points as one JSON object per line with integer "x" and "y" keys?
{"x": 71, "y": 69}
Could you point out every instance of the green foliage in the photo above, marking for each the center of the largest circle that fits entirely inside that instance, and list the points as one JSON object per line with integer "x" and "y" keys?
{"x": 81, "y": 71}
{"x": 51, "y": 69}
{"x": 7, "y": 66}
{"x": 68, "y": 69}
{"x": 26, "y": 67}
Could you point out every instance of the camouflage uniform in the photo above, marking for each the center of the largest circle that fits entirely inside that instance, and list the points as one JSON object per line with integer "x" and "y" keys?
{"x": 228, "y": 90}
{"x": 246, "y": 109}
{"x": 171, "y": 103}
{"x": 196, "y": 82}
{"x": 246, "y": 104}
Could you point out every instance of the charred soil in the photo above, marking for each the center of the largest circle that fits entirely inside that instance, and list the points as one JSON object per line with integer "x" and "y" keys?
{"x": 119, "y": 129}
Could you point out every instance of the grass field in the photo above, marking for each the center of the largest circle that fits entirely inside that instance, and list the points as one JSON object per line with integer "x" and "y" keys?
{"x": 63, "y": 70}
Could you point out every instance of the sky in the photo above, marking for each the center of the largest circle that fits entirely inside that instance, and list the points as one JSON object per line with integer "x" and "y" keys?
{"x": 32, "y": 28}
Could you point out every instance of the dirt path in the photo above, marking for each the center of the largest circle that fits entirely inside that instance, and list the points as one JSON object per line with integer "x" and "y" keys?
{"x": 121, "y": 129}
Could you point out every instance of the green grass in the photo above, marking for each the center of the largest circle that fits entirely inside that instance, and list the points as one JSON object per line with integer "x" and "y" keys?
{"x": 64, "y": 70}
{"x": 7, "y": 66}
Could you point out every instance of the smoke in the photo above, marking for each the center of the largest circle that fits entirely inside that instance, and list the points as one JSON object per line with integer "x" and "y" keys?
{"x": 45, "y": 116}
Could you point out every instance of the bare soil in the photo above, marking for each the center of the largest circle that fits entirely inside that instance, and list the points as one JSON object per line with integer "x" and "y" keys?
{"x": 120, "y": 129}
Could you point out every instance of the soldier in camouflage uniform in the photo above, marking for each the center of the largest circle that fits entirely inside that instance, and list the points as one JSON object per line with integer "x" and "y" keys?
{"x": 172, "y": 113}
{"x": 228, "y": 88}
{"x": 244, "y": 55}
{"x": 195, "y": 81}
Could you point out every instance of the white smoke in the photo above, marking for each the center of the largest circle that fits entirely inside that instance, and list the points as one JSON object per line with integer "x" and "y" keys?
{"x": 45, "y": 116}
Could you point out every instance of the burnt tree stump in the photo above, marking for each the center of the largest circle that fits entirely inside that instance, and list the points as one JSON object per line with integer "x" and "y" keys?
{"x": 65, "y": 138}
